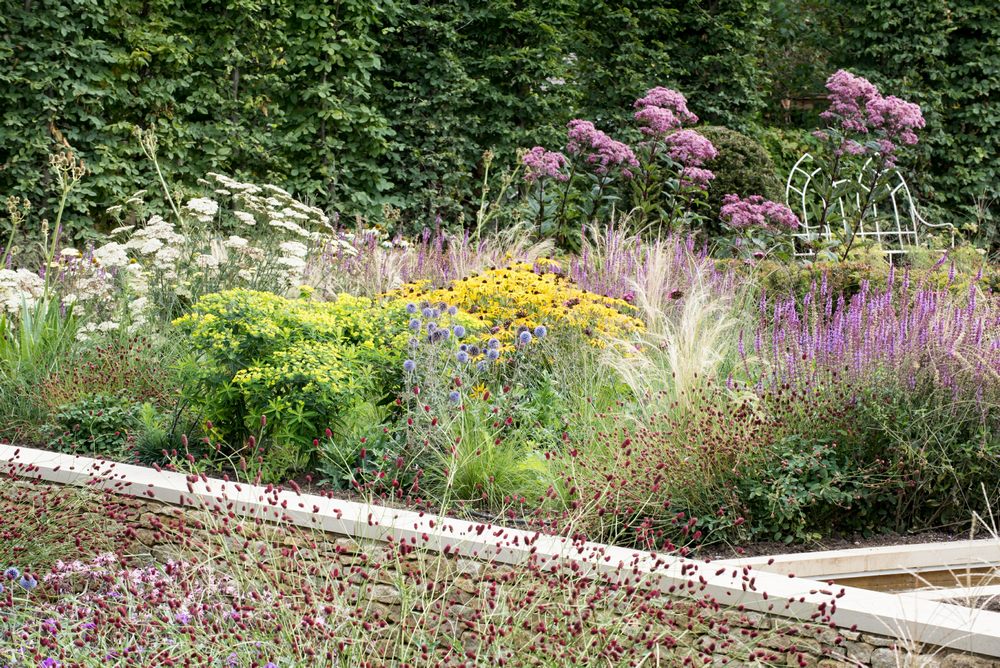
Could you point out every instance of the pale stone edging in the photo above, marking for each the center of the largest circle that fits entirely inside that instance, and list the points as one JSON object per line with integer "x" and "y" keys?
{"x": 912, "y": 618}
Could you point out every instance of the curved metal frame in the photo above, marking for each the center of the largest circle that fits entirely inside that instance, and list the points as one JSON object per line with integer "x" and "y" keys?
{"x": 908, "y": 223}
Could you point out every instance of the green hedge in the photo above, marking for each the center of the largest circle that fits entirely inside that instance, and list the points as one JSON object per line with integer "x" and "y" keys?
{"x": 353, "y": 104}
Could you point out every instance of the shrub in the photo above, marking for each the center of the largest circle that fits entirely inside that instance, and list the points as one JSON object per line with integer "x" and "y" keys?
{"x": 294, "y": 362}
{"x": 742, "y": 167}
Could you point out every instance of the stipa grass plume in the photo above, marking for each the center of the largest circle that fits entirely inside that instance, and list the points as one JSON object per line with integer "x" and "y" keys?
{"x": 688, "y": 341}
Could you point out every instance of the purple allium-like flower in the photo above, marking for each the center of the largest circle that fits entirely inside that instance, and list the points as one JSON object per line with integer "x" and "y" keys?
{"x": 414, "y": 324}
{"x": 668, "y": 99}
{"x": 409, "y": 366}
{"x": 689, "y": 148}
{"x": 12, "y": 573}
{"x": 454, "y": 396}
{"x": 27, "y": 582}
{"x": 539, "y": 163}
{"x": 462, "y": 357}
{"x": 696, "y": 177}
{"x": 452, "y": 310}
{"x": 599, "y": 149}
{"x": 411, "y": 308}
{"x": 428, "y": 312}
{"x": 755, "y": 211}
{"x": 49, "y": 662}
{"x": 482, "y": 365}
{"x": 459, "y": 331}
{"x": 492, "y": 354}
{"x": 524, "y": 337}
{"x": 493, "y": 344}
{"x": 541, "y": 331}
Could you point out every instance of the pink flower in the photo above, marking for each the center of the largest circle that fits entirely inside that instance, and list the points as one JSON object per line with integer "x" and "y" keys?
{"x": 669, "y": 100}
{"x": 657, "y": 121}
{"x": 696, "y": 177}
{"x": 689, "y": 148}
{"x": 849, "y": 96}
{"x": 539, "y": 162}
{"x": 896, "y": 118}
{"x": 858, "y": 107}
{"x": 599, "y": 149}
{"x": 755, "y": 211}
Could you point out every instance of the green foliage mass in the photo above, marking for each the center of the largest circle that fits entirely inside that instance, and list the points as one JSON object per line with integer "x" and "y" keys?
{"x": 351, "y": 105}
{"x": 742, "y": 166}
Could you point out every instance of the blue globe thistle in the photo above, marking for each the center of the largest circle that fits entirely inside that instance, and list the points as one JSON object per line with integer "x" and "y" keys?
{"x": 409, "y": 366}
{"x": 12, "y": 573}
{"x": 445, "y": 333}
{"x": 1, "y": 587}
{"x": 428, "y": 312}
{"x": 459, "y": 331}
{"x": 411, "y": 308}
{"x": 454, "y": 397}
{"x": 464, "y": 346}
{"x": 462, "y": 356}
{"x": 493, "y": 344}
{"x": 414, "y": 324}
{"x": 436, "y": 313}
{"x": 541, "y": 331}
{"x": 27, "y": 582}
{"x": 482, "y": 365}
{"x": 473, "y": 350}
{"x": 452, "y": 310}
{"x": 492, "y": 354}
{"x": 431, "y": 326}
{"x": 524, "y": 337}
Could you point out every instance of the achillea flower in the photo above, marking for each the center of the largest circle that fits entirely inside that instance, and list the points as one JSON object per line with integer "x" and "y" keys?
{"x": 755, "y": 211}
{"x": 690, "y": 148}
{"x": 599, "y": 149}
{"x": 539, "y": 163}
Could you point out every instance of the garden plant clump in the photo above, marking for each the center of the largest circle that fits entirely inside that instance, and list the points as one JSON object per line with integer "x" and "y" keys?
{"x": 609, "y": 351}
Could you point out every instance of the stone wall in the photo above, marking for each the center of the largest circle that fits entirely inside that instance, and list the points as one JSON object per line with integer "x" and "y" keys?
{"x": 379, "y": 579}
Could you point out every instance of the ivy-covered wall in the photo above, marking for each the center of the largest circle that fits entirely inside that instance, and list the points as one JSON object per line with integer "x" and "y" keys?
{"x": 350, "y": 104}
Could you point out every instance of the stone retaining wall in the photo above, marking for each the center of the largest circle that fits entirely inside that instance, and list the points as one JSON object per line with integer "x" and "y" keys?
{"x": 375, "y": 577}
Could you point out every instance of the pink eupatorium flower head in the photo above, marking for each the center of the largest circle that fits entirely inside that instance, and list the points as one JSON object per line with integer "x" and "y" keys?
{"x": 849, "y": 97}
{"x": 657, "y": 121}
{"x": 859, "y": 108}
{"x": 696, "y": 177}
{"x": 668, "y": 99}
{"x": 539, "y": 163}
{"x": 599, "y": 149}
{"x": 689, "y": 148}
{"x": 755, "y": 211}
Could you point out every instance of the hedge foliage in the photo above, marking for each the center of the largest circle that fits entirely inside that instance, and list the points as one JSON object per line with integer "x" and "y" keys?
{"x": 353, "y": 104}
{"x": 942, "y": 54}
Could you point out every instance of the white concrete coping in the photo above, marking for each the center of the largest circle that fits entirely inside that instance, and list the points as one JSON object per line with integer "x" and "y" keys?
{"x": 834, "y": 564}
{"x": 910, "y": 618}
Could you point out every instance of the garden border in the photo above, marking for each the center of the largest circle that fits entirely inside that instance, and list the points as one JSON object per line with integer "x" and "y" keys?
{"x": 912, "y": 618}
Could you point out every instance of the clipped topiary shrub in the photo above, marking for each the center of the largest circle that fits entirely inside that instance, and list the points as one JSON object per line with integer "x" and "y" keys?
{"x": 742, "y": 167}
